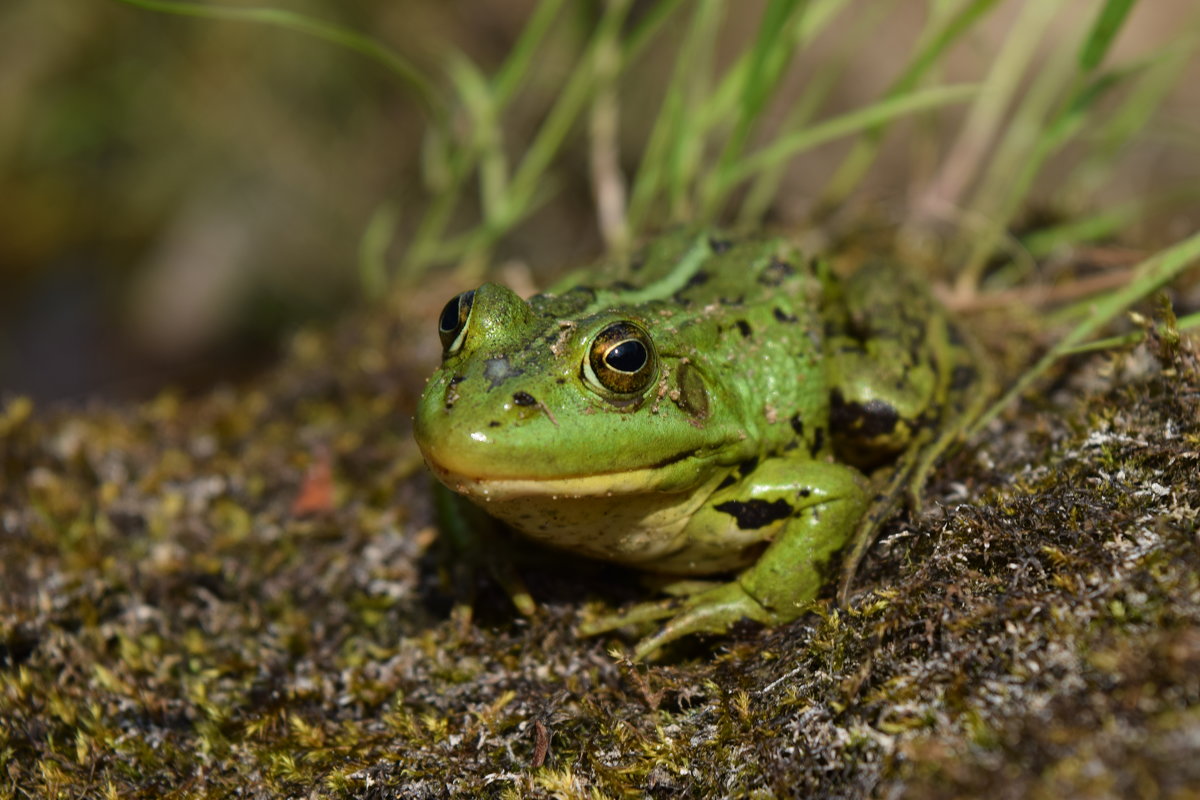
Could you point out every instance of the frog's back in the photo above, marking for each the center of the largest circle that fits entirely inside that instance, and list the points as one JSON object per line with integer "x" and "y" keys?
{"x": 694, "y": 268}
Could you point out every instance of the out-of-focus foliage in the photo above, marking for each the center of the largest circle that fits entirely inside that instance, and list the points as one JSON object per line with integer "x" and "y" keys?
{"x": 171, "y": 185}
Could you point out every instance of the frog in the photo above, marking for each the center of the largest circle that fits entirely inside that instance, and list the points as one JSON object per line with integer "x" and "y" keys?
{"x": 725, "y": 411}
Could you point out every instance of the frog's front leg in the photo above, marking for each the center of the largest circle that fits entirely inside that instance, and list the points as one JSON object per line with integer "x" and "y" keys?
{"x": 471, "y": 543}
{"x": 805, "y": 510}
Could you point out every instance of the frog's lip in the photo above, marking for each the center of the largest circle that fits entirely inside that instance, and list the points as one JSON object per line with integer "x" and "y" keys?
{"x": 590, "y": 485}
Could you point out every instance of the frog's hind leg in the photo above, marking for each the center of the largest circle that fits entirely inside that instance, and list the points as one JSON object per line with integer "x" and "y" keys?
{"x": 906, "y": 386}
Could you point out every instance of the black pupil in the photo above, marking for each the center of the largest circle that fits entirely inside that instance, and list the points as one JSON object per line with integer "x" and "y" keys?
{"x": 628, "y": 356}
{"x": 449, "y": 319}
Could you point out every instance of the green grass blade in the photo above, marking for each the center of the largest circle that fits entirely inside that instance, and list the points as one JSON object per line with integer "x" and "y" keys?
{"x": 290, "y": 20}
{"x": 769, "y": 55}
{"x": 1091, "y": 228}
{"x": 849, "y": 174}
{"x": 1104, "y": 30}
{"x": 1150, "y": 276}
{"x": 648, "y": 26}
{"x": 487, "y": 136}
{"x": 675, "y": 134}
{"x": 775, "y": 154}
{"x": 987, "y": 115}
{"x": 562, "y": 116}
{"x": 1014, "y": 188}
{"x": 430, "y": 244}
{"x": 513, "y": 71}
{"x": 765, "y": 188}
{"x": 372, "y": 250}
{"x": 1135, "y": 111}
{"x": 1182, "y": 324}
{"x": 528, "y": 187}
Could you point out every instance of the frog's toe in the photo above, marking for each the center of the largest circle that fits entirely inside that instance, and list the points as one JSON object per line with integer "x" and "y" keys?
{"x": 637, "y": 615}
{"x": 714, "y": 611}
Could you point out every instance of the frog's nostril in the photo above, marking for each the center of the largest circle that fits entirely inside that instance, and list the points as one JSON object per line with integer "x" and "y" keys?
{"x": 451, "y": 396}
{"x": 526, "y": 400}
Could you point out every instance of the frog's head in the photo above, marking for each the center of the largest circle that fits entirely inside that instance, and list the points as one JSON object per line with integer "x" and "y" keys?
{"x": 569, "y": 396}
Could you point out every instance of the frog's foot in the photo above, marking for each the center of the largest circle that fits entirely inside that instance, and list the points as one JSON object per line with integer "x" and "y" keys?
{"x": 461, "y": 581}
{"x": 505, "y": 573}
{"x": 711, "y": 611}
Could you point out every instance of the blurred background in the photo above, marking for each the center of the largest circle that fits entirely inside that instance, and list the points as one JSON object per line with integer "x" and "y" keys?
{"x": 176, "y": 194}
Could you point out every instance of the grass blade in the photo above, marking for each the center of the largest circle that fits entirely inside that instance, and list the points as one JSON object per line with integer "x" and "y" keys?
{"x": 987, "y": 114}
{"x": 676, "y": 137}
{"x": 1151, "y": 275}
{"x": 773, "y": 155}
{"x": 290, "y": 20}
{"x": 849, "y": 174}
{"x": 1104, "y": 30}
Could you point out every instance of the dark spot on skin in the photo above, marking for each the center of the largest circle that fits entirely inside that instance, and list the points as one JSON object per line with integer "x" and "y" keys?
{"x": 725, "y": 484}
{"x": 754, "y": 514}
{"x": 776, "y": 273}
{"x": 524, "y": 399}
{"x": 622, "y": 286}
{"x": 747, "y": 466}
{"x": 817, "y": 443}
{"x": 457, "y": 379}
{"x": 744, "y": 328}
{"x": 494, "y": 424}
{"x": 699, "y": 279}
{"x": 804, "y": 492}
{"x": 797, "y": 425}
{"x": 783, "y": 316}
{"x": 870, "y": 419}
{"x": 561, "y": 381}
{"x": 498, "y": 370}
{"x": 719, "y": 245}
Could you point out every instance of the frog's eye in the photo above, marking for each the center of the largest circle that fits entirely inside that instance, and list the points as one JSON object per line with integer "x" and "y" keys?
{"x": 620, "y": 360}
{"x": 452, "y": 324}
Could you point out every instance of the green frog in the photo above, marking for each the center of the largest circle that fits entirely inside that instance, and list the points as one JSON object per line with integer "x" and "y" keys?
{"x": 717, "y": 411}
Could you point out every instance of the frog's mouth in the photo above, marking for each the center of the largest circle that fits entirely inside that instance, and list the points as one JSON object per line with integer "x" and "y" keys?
{"x": 657, "y": 477}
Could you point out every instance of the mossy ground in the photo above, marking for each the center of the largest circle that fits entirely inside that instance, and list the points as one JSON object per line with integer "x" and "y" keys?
{"x": 236, "y": 595}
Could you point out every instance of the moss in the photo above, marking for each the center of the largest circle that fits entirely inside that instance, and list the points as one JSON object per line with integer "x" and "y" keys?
{"x": 233, "y": 593}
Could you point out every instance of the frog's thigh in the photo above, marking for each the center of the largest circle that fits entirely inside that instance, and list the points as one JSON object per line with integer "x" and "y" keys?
{"x": 808, "y": 510}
